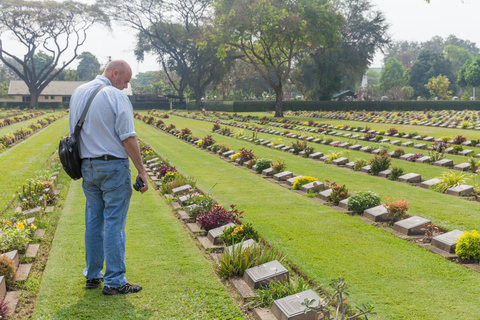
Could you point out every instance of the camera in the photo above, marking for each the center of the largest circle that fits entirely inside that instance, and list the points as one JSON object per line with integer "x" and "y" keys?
{"x": 138, "y": 184}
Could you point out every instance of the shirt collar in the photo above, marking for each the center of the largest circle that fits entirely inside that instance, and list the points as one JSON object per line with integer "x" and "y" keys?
{"x": 103, "y": 79}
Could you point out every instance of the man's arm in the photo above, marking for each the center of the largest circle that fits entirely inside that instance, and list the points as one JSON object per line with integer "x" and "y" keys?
{"x": 133, "y": 151}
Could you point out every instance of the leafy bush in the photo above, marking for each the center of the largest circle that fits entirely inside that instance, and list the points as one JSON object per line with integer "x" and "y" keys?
{"x": 8, "y": 270}
{"x": 216, "y": 217}
{"x": 234, "y": 262}
{"x": 358, "y": 164}
{"x": 235, "y": 156}
{"x": 363, "y": 200}
{"x": 246, "y": 155}
{"x": 473, "y": 164}
{"x": 457, "y": 149}
{"x": 215, "y": 127}
{"x": 369, "y": 136}
{"x": 308, "y": 151}
{"x": 338, "y": 194}
{"x": 223, "y": 147}
{"x": 396, "y": 208}
{"x": 392, "y": 131}
{"x": 203, "y": 204}
{"x": 262, "y": 164}
{"x": 396, "y": 172}
{"x": 328, "y": 141}
{"x": 14, "y": 239}
{"x": 300, "y": 181}
{"x": 449, "y": 180}
{"x": 333, "y": 155}
{"x": 279, "y": 166}
{"x": 398, "y": 153}
{"x": 215, "y": 148}
{"x": 264, "y": 297}
{"x": 178, "y": 181}
{"x": 379, "y": 163}
{"x": 468, "y": 245}
{"x": 298, "y": 146}
{"x": 459, "y": 140}
{"x": 207, "y": 141}
{"x": 232, "y": 235}
{"x": 414, "y": 157}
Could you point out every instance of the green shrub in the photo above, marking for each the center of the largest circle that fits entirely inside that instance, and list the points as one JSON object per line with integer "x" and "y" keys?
{"x": 235, "y": 234}
{"x": 449, "y": 180}
{"x": 264, "y": 297}
{"x": 380, "y": 163}
{"x": 262, "y": 164}
{"x": 279, "y": 166}
{"x": 457, "y": 149}
{"x": 14, "y": 239}
{"x": 300, "y": 181}
{"x": 363, "y": 200}
{"x": 468, "y": 245}
{"x": 328, "y": 141}
{"x": 396, "y": 172}
{"x": 234, "y": 262}
{"x": 358, "y": 164}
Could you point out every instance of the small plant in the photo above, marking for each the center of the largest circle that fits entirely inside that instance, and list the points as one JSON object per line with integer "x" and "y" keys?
{"x": 298, "y": 146}
{"x": 396, "y": 172}
{"x": 308, "y": 151}
{"x": 358, "y": 164}
{"x": 246, "y": 155}
{"x": 414, "y": 157}
{"x": 216, "y": 217}
{"x": 459, "y": 140}
{"x": 203, "y": 204}
{"x": 279, "y": 166}
{"x": 232, "y": 235}
{"x": 207, "y": 141}
{"x": 398, "y": 153}
{"x": 457, "y": 149}
{"x": 468, "y": 246}
{"x": 234, "y": 157}
{"x": 4, "y": 309}
{"x": 312, "y": 193}
{"x": 215, "y": 148}
{"x": 473, "y": 164}
{"x": 430, "y": 230}
{"x": 369, "y": 149}
{"x": 215, "y": 127}
{"x": 333, "y": 155}
{"x": 328, "y": 141}
{"x": 363, "y": 200}
{"x": 300, "y": 181}
{"x": 369, "y": 136}
{"x": 445, "y": 139}
{"x": 392, "y": 131}
{"x": 223, "y": 147}
{"x": 265, "y": 296}
{"x": 262, "y": 164}
{"x": 8, "y": 270}
{"x": 397, "y": 209}
{"x": 338, "y": 193}
{"x": 234, "y": 262}
{"x": 379, "y": 163}
{"x": 449, "y": 180}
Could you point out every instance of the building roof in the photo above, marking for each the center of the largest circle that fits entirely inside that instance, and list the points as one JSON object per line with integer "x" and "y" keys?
{"x": 54, "y": 88}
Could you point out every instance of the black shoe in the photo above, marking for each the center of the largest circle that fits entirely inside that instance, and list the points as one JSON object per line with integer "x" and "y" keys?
{"x": 128, "y": 288}
{"x": 93, "y": 283}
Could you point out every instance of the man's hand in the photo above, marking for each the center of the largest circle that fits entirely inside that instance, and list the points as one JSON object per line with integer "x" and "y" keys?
{"x": 143, "y": 176}
{"x": 133, "y": 150}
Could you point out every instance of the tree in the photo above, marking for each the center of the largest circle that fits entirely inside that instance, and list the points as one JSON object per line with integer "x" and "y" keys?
{"x": 393, "y": 75}
{"x": 428, "y": 65}
{"x": 457, "y": 57}
{"x": 270, "y": 34}
{"x": 438, "y": 86}
{"x": 174, "y": 31}
{"x": 469, "y": 74}
{"x": 58, "y": 28}
{"x": 88, "y": 67}
{"x": 330, "y": 69}
{"x": 373, "y": 77}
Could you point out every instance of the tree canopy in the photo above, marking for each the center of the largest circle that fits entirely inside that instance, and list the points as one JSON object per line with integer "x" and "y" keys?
{"x": 88, "y": 67}
{"x": 393, "y": 75}
{"x": 58, "y": 29}
{"x": 270, "y": 34}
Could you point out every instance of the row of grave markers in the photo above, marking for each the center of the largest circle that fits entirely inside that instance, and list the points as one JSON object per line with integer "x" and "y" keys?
{"x": 259, "y": 276}
{"x": 443, "y": 244}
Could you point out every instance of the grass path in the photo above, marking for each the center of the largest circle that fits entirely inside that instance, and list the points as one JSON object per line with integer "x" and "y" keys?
{"x": 17, "y": 164}
{"x": 400, "y": 279}
{"x": 15, "y": 126}
{"x": 178, "y": 282}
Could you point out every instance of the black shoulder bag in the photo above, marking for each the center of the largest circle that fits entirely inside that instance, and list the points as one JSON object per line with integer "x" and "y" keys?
{"x": 69, "y": 148}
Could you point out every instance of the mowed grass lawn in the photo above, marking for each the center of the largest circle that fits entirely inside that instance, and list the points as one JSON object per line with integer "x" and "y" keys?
{"x": 178, "y": 281}
{"x": 400, "y": 279}
{"x": 19, "y": 163}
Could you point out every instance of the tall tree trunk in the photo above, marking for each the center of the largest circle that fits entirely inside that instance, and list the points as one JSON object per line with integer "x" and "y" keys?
{"x": 279, "y": 101}
{"x": 34, "y": 99}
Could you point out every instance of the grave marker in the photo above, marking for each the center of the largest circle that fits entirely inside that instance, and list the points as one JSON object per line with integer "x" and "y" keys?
{"x": 411, "y": 226}
{"x": 264, "y": 274}
{"x": 290, "y": 308}
{"x": 214, "y": 234}
{"x": 446, "y": 241}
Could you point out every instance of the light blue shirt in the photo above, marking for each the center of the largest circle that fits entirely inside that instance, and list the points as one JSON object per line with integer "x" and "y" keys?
{"x": 109, "y": 120}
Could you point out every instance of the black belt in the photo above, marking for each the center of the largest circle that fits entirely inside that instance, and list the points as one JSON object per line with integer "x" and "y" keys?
{"x": 107, "y": 158}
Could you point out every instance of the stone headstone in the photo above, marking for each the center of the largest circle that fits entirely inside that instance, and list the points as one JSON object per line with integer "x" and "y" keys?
{"x": 184, "y": 199}
{"x": 428, "y": 139}
{"x": 315, "y": 185}
{"x": 423, "y": 159}
{"x": 268, "y": 172}
{"x": 378, "y": 213}
{"x": 246, "y": 244}
{"x": 449, "y": 150}
{"x": 291, "y": 180}
{"x": 315, "y": 155}
{"x": 261, "y": 276}
{"x": 343, "y": 203}
{"x": 13, "y": 255}
{"x": 282, "y": 176}
{"x": 325, "y": 194}
{"x": 340, "y": 161}
{"x": 290, "y": 308}
{"x": 465, "y": 152}
{"x": 279, "y": 146}
{"x": 465, "y": 166}
{"x": 355, "y": 147}
{"x": 366, "y": 169}
{"x": 407, "y": 144}
{"x": 430, "y": 183}
{"x": 461, "y": 190}
{"x": 214, "y": 234}
{"x": 443, "y": 163}
{"x": 411, "y": 226}
{"x": 447, "y": 241}
{"x": 420, "y": 146}
{"x": 286, "y": 148}
{"x": 385, "y": 173}
{"x": 181, "y": 190}
{"x": 411, "y": 178}
{"x": 228, "y": 153}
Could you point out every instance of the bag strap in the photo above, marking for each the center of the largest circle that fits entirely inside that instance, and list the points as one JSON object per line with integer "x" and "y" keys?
{"x": 84, "y": 113}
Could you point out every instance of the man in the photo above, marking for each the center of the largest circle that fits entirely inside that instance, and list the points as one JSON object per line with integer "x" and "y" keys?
{"x": 107, "y": 140}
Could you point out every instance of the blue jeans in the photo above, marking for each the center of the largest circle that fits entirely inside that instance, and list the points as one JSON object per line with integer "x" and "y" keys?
{"x": 108, "y": 187}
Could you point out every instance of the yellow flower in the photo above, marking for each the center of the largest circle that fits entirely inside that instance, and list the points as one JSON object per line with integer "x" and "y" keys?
{"x": 201, "y": 196}
{"x": 20, "y": 225}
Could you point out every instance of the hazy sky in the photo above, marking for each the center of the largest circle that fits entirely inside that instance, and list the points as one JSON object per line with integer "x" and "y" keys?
{"x": 412, "y": 20}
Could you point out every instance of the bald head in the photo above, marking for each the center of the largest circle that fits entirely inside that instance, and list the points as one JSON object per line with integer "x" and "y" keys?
{"x": 119, "y": 73}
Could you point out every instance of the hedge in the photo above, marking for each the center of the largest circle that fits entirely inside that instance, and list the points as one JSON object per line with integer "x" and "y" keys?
{"x": 262, "y": 106}
{"x": 64, "y": 105}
